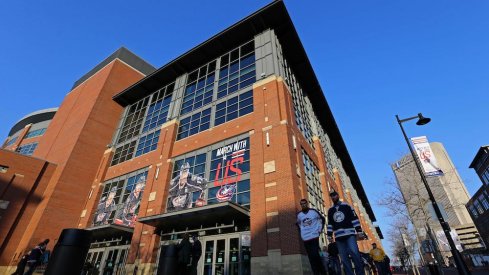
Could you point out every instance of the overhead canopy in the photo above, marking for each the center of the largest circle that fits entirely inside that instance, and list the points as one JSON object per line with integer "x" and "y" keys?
{"x": 199, "y": 217}
{"x": 110, "y": 231}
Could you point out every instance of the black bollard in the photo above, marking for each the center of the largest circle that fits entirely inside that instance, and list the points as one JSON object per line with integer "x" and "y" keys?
{"x": 69, "y": 252}
{"x": 168, "y": 262}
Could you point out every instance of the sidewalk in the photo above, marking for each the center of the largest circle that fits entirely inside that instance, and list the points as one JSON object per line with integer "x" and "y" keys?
{"x": 449, "y": 271}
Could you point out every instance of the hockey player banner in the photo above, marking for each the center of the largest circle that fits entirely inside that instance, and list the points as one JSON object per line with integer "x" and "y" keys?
{"x": 128, "y": 214}
{"x": 112, "y": 209}
{"x": 426, "y": 156}
{"x": 186, "y": 190}
{"x": 228, "y": 162}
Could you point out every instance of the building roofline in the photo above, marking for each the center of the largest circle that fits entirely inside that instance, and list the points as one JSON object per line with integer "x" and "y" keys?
{"x": 34, "y": 117}
{"x": 123, "y": 54}
{"x": 273, "y": 16}
{"x": 478, "y": 155}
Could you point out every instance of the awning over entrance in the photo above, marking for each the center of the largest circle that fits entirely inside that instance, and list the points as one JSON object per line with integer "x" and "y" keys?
{"x": 110, "y": 231}
{"x": 199, "y": 217}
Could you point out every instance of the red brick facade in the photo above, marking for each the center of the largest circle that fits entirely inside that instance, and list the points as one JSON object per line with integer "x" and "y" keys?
{"x": 74, "y": 143}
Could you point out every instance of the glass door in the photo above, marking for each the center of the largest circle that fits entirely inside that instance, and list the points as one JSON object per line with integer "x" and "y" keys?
{"x": 223, "y": 255}
{"x": 94, "y": 260}
{"x": 115, "y": 260}
{"x": 209, "y": 257}
{"x": 220, "y": 264}
{"x": 233, "y": 256}
{"x": 108, "y": 260}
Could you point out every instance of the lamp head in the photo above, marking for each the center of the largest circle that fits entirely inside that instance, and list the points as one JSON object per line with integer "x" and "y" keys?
{"x": 422, "y": 120}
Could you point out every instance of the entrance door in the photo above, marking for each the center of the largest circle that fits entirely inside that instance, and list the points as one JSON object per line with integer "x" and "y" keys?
{"x": 108, "y": 260}
{"x": 224, "y": 255}
{"x": 115, "y": 260}
{"x": 94, "y": 257}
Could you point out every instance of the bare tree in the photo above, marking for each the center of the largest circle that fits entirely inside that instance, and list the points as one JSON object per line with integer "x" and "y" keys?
{"x": 407, "y": 204}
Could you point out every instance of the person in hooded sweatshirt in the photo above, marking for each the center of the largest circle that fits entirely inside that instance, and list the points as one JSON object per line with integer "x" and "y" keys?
{"x": 311, "y": 224}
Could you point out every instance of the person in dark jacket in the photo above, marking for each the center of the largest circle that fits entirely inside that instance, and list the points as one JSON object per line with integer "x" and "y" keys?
{"x": 334, "y": 267}
{"x": 196, "y": 253}
{"x": 344, "y": 223}
{"x": 21, "y": 265}
{"x": 311, "y": 225}
{"x": 184, "y": 255}
{"x": 35, "y": 256}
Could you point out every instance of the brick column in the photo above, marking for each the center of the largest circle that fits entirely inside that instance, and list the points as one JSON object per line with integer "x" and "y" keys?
{"x": 20, "y": 137}
{"x": 86, "y": 216}
{"x": 276, "y": 183}
{"x": 338, "y": 186}
{"x": 145, "y": 239}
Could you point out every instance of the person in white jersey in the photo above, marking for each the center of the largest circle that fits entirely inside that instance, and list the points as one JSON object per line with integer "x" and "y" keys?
{"x": 311, "y": 224}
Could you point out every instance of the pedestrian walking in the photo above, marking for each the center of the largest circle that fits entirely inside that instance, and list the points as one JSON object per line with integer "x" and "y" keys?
{"x": 196, "y": 253}
{"x": 334, "y": 267}
{"x": 324, "y": 257}
{"x": 387, "y": 263}
{"x": 311, "y": 224}
{"x": 21, "y": 265}
{"x": 35, "y": 256}
{"x": 344, "y": 224}
{"x": 184, "y": 255}
{"x": 378, "y": 256}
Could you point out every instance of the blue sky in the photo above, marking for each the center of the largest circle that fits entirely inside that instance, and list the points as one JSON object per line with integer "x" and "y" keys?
{"x": 374, "y": 59}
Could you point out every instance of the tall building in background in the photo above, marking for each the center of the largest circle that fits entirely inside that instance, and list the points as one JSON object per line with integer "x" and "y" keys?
{"x": 221, "y": 143}
{"x": 450, "y": 193}
{"x": 478, "y": 205}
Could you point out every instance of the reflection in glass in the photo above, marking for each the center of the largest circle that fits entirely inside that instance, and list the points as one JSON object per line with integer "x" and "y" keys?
{"x": 208, "y": 257}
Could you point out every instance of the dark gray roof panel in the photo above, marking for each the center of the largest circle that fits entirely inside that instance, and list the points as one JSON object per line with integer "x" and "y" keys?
{"x": 125, "y": 55}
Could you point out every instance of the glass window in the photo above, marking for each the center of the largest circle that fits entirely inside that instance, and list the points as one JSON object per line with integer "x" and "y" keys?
{"x": 234, "y": 108}
{"x": 483, "y": 201}
{"x": 27, "y": 149}
{"x": 133, "y": 120}
{"x": 478, "y": 207}
{"x": 315, "y": 193}
{"x": 141, "y": 125}
{"x": 473, "y": 211}
{"x": 35, "y": 133}
{"x": 301, "y": 103}
{"x": 237, "y": 70}
{"x": 199, "y": 88}
{"x": 148, "y": 143}
{"x": 485, "y": 176}
{"x": 11, "y": 141}
{"x": 158, "y": 109}
{"x": 194, "y": 124}
{"x": 123, "y": 153}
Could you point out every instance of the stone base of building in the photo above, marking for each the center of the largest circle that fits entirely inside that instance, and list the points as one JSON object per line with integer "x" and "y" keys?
{"x": 8, "y": 269}
{"x": 276, "y": 263}
{"x": 140, "y": 268}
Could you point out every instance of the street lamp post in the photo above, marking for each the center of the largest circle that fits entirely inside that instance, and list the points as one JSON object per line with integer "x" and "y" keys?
{"x": 461, "y": 267}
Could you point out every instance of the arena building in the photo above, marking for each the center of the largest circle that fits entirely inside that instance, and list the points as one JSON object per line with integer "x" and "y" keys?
{"x": 221, "y": 143}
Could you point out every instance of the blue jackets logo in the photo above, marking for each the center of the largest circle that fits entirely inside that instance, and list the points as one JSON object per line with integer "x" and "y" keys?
{"x": 338, "y": 216}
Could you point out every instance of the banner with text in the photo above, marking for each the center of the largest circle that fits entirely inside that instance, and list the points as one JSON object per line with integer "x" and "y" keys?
{"x": 426, "y": 156}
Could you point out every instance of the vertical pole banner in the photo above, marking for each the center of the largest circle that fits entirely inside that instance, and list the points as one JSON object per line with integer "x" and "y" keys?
{"x": 426, "y": 156}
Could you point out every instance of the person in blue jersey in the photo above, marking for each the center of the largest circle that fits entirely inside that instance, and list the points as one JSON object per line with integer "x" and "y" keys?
{"x": 311, "y": 224}
{"x": 344, "y": 223}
